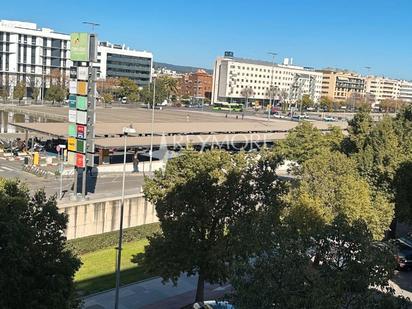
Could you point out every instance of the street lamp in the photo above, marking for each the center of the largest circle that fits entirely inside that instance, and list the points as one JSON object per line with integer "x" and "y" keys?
{"x": 271, "y": 82}
{"x": 151, "y": 135}
{"x": 92, "y": 24}
{"x": 126, "y": 132}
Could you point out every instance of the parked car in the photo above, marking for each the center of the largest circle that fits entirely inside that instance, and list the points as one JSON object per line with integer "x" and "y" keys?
{"x": 213, "y": 304}
{"x": 403, "y": 253}
{"x": 124, "y": 100}
{"x": 329, "y": 119}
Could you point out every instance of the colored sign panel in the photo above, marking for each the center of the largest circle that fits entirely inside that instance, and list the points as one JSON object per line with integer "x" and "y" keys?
{"x": 81, "y": 131}
{"x": 79, "y": 46}
{"x": 82, "y": 88}
{"x": 80, "y": 160}
{"x": 72, "y": 130}
{"x": 73, "y": 87}
{"x": 71, "y": 158}
{"x": 72, "y": 116}
{"x": 81, "y": 102}
{"x": 83, "y": 73}
{"x": 73, "y": 72}
{"x": 81, "y": 117}
{"x": 72, "y": 101}
{"x": 71, "y": 144}
{"x": 81, "y": 146}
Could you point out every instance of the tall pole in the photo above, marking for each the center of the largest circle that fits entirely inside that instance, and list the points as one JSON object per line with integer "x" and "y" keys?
{"x": 151, "y": 135}
{"x": 119, "y": 247}
{"x": 271, "y": 83}
{"x": 61, "y": 174}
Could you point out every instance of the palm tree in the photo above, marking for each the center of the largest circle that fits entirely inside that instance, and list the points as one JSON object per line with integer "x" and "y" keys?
{"x": 170, "y": 85}
{"x": 247, "y": 92}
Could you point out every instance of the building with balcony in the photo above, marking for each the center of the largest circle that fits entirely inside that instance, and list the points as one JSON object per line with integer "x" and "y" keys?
{"x": 32, "y": 55}
{"x": 405, "y": 91}
{"x": 382, "y": 88}
{"x": 339, "y": 85}
{"x": 196, "y": 85}
{"x": 232, "y": 75}
{"x": 115, "y": 60}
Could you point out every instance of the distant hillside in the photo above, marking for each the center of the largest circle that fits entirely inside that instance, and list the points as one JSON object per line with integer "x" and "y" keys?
{"x": 179, "y": 68}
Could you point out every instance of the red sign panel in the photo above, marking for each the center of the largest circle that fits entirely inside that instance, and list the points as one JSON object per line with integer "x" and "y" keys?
{"x": 81, "y": 131}
{"x": 80, "y": 160}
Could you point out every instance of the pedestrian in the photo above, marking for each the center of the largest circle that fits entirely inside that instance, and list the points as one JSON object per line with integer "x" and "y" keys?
{"x": 136, "y": 162}
{"x": 187, "y": 117}
{"x": 243, "y": 115}
{"x": 226, "y": 116}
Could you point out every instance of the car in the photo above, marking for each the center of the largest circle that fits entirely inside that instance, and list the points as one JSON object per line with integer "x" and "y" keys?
{"x": 124, "y": 100}
{"x": 403, "y": 253}
{"x": 213, "y": 304}
{"x": 278, "y": 115}
{"x": 329, "y": 119}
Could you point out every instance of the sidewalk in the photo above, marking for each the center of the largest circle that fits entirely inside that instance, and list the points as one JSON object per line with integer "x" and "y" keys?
{"x": 152, "y": 294}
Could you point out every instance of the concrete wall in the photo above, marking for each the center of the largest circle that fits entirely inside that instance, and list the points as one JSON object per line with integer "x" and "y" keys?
{"x": 103, "y": 215}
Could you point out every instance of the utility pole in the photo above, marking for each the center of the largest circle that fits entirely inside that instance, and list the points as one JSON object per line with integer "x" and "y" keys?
{"x": 271, "y": 83}
{"x": 151, "y": 135}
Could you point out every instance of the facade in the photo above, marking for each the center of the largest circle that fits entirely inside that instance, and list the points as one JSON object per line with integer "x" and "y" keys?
{"x": 340, "y": 85}
{"x": 119, "y": 61}
{"x": 31, "y": 55}
{"x": 405, "y": 91}
{"x": 232, "y": 75}
{"x": 196, "y": 85}
{"x": 381, "y": 88}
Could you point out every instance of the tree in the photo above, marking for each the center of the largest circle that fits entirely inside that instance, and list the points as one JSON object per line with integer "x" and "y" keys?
{"x": 55, "y": 93}
{"x": 305, "y": 141}
{"x": 403, "y": 192}
{"x": 204, "y": 201}
{"x": 3, "y": 94}
{"x": 306, "y": 101}
{"x": 326, "y": 103}
{"x": 19, "y": 91}
{"x": 146, "y": 94}
{"x": 127, "y": 87}
{"x": 133, "y": 97}
{"x": 35, "y": 94}
{"x": 282, "y": 274}
{"x": 107, "y": 98}
{"x": 36, "y": 269}
{"x": 329, "y": 186}
{"x": 247, "y": 92}
{"x": 169, "y": 85}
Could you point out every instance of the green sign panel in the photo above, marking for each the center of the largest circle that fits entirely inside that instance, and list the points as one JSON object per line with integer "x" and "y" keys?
{"x": 81, "y": 103}
{"x": 72, "y": 130}
{"x": 72, "y": 101}
{"x": 79, "y": 46}
{"x": 81, "y": 146}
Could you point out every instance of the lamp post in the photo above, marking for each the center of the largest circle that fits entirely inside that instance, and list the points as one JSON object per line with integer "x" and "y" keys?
{"x": 126, "y": 131}
{"x": 271, "y": 83}
{"x": 151, "y": 135}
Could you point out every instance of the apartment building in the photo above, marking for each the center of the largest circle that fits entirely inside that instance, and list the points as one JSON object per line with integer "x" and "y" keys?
{"x": 339, "y": 85}
{"x": 115, "y": 60}
{"x": 231, "y": 75}
{"x": 196, "y": 85}
{"x": 405, "y": 91}
{"x": 381, "y": 88}
{"x": 30, "y": 54}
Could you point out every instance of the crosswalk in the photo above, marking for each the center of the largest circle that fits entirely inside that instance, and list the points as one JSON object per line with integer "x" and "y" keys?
{"x": 5, "y": 169}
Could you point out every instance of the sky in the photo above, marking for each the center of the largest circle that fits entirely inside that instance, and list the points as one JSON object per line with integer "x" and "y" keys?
{"x": 348, "y": 34}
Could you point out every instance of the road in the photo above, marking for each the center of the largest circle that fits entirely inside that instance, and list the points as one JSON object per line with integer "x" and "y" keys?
{"x": 101, "y": 186}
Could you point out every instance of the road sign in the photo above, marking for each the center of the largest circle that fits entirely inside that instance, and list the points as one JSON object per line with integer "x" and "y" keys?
{"x": 81, "y": 145}
{"x": 79, "y": 46}
{"x": 80, "y": 160}
{"x": 72, "y": 132}
{"x": 83, "y": 73}
{"x": 73, "y": 72}
{"x": 81, "y": 131}
{"x": 81, "y": 102}
{"x": 71, "y": 144}
{"x": 71, "y": 158}
{"x": 73, "y": 87}
{"x": 72, "y": 115}
{"x": 82, "y": 88}
{"x": 81, "y": 117}
{"x": 72, "y": 101}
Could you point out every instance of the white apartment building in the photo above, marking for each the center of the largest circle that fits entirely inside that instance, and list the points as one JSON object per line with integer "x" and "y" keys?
{"x": 381, "y": 88}
{"x": 231, "y": 75}
{"x": 116, "y": 60}
{"x": 405, "y": 91}
{"x": 28, "y": 53}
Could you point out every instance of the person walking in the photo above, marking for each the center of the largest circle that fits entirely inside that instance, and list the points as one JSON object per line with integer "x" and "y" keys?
{"x": 136, "y": 162}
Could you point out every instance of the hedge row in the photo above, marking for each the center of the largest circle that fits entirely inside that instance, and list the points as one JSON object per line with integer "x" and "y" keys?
{"x": 96, "y": 242}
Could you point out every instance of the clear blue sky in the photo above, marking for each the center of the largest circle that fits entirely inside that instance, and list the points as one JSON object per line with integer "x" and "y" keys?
{"x": 348, "y": 34}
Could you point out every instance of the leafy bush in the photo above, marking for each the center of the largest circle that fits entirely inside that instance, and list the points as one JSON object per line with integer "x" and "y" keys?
{"x": 96, "y": 242}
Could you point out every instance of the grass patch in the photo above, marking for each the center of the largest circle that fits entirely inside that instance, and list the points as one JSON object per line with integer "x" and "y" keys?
{"x": 98, "y": 270}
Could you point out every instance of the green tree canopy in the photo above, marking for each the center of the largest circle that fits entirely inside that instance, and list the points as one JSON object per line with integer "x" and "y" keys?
{"x": 56, "y": 93}
{"x": 126, "y": 87}
{"x": 330, "y": 186}
{"x": 305, "y": 141}
{"x": 36, "y": 269}
{"x": 201, "y": 200}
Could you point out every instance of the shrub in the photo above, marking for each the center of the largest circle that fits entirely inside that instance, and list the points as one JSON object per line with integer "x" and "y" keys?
{"x": 96, "y": 242}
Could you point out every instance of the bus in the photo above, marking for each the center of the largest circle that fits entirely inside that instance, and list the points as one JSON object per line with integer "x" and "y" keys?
{"x": 236, "y": 107}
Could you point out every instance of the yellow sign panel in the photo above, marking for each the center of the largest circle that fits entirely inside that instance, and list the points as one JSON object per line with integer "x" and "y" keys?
{"x": 36, "y": 158}
{"x": 71, "y": 144}
{"x": 81, "y": 88}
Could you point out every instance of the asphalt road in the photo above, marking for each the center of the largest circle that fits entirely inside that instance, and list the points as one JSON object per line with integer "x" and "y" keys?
{"x": 100, "y": 186}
